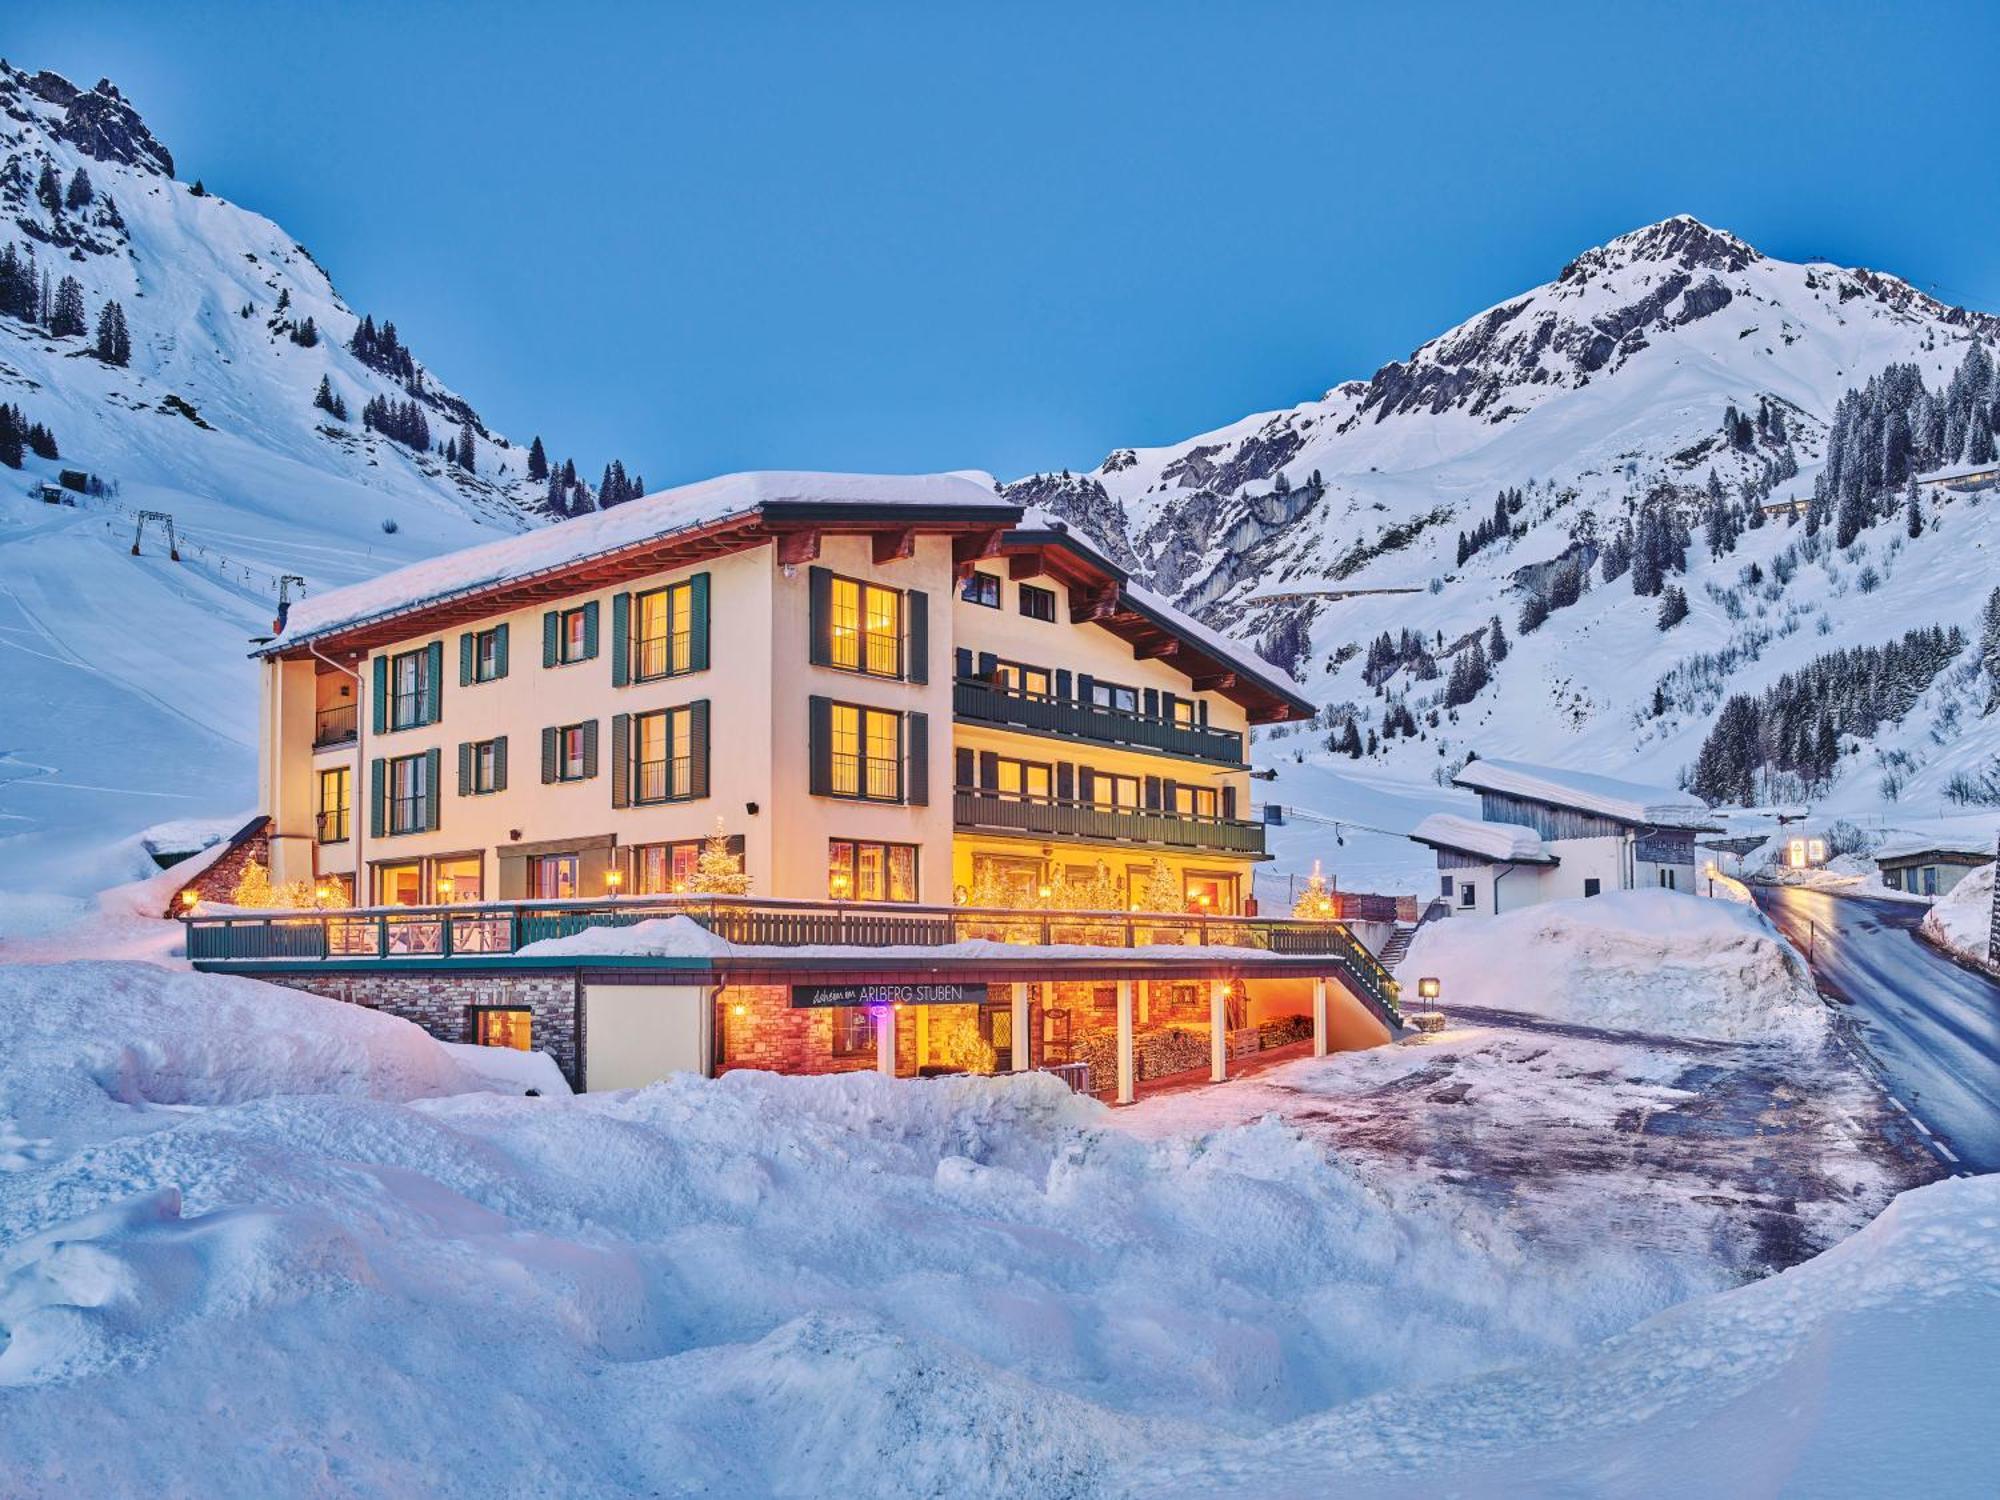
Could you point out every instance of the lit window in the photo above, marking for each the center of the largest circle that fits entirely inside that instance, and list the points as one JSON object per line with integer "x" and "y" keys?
{"x": 664, "y": 639}
{"x": 409, "y": 792}
{"x": 853, "y": 1031}
{"x": 552, "y": 877}
{"x": 505, "y": 1028}
{"x": 981, "y": 588}
{"x": 861, "y": 871}
{"x": 866, "y": 628}
{"x": 663, "y": 755}
{"x": 1195, "y": 801}
{"x": 409, "y": 690}
{"x": 1107, "y": 790}
{"x": 570, "y": 761}
{"x": 866, "y": 751}
{"x": 576, "y": 635}
{"x": 333, "y": 805}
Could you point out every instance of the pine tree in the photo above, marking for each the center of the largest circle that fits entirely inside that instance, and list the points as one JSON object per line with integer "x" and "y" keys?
{"x": 48, "y": 188}
{"x": 1673, "y": 607}
{"x": 79, "y": 193}
{"x": 67, "y": 319}
{"x": 11, "y": 433}
{"x": 538, "y": 460}
{"x": 1989, "y": 648}
{"x": 305, "y": 335}
{"x": 1496, "y": 642}
{"x": 1913, "y": 511}
{"x": 114, "y": 342}
{"x": 198, "y": 191}
{"x": 468, "y": 448}
{"x": 1162, "y": 892}
{"x": 328, "y": 400}
{"x": 1316, "y": 903}
{"x": 718, "y": 872}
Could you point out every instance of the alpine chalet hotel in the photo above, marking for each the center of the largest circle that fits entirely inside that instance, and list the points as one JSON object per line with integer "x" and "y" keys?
{"x": 985, "y": 801}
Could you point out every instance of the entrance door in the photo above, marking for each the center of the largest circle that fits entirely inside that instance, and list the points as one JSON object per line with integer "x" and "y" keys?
{"x": 636, "y": 1034}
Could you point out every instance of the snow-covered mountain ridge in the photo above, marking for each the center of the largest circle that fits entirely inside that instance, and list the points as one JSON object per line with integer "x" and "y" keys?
{"x": 1673, "y": 363}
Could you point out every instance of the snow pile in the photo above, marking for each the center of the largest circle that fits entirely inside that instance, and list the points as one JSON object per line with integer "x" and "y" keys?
{"x": 1626, "y": 801}
{"x": 1647, "y": 961}
{"x": 1961, "y": 920}
{"x": 1495, "y": 841}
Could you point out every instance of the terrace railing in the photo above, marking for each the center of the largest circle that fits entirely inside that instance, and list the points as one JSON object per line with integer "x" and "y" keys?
{"x": 390, "y": 934}
{"x": 1012, "y": 812}
{"x": 333, "y": 726}
{"x": 975, "y": 700}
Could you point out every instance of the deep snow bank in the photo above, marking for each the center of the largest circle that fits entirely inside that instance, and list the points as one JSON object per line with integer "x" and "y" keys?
{"x": 1961, "y": 919}
{"x": 1652, "y": 961}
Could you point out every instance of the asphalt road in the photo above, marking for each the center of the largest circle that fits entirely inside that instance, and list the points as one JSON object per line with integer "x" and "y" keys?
{"x": 1930, "y": 1026}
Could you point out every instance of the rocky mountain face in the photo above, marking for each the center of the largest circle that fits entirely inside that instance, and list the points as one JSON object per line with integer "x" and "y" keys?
{"x": 1653, "y": 373}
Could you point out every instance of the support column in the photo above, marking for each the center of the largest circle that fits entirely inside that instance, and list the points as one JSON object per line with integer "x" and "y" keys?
{"x": 1319, "y": 1018}
{"x": 1126, "y": 1071}
{"x": 1218, "y": 1030}
{"x": 923, "y": 1014}
{"x": 885, "y": 1042}
{"x": 1023, "y": 1051}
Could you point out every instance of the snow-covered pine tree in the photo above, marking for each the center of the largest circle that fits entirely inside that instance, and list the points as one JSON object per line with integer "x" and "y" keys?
{"x": 1496, "y": 642}
{"x": 113, "y": 344}
{"x": 468, "y": 447}
{"x": 538, "y": 460}
{"x": 717, "y": 871}
{"x": 79, "y": 193}
{"x": 67, "y": 318}
{"x": 1913, "y": 510}
{"x": 1673, "y": 606}
{"x": 48, "y": 188}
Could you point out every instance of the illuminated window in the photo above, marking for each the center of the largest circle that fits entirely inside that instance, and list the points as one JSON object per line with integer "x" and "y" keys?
{"x": 552, "y": 877}
{"x": 504, "y": 1028}
{"x": 663, "y": 642}
{"x": 576, "y": 635}
{"x": 981, "y": 588}
{"x": 399, "y": 885}
{"x": 1107, "y": 790}
{"x": 458, "y": 879}
{"x": 663, "y": 755}
{"x": 857, "y": 870}
{"x": 409, "y": 793}
{"x": 334, "y": 791}
{"x": 866, "y": 628}
{"x": 664, "y": 869}
{"x": 853, "y": 1031}
{"x": 867, "y": 755}
{"x": 1014, "y": 677}
{"x": 571, "y": 760}
{"x": 1195, "y": 801}
{"x": 1025, "y": 778}
{"x": 409, "y": 689}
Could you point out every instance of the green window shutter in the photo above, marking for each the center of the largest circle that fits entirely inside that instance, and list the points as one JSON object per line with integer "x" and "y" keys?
{"x": 465, "y": 768}
{"x": 551, "y": 637}
{"x": 378, "y": 797}
{"x": 433, "y": 762}
{"x": 821, "y": 613}
{"x": 381, "y": 695}
{"x": 590, "y": 631}
{"x": 698, "y": 623}
{"x": 962, "y": 772}
{"x": 589, "y": 748}
{"x": 917, "y": 759}
{"x": 434, "y": 673}
{"x": 500, "y": 649}
{"x": 917, "y": 646}
{"x": 621, "y": 760}
{"x": 697, "y": 712}
{"x": 621, "y": 639}
{"x": 500, "y": 760}
{"x": 549, "y": 753}
{"x": 1229, "y": 803}
{"x": 465, "y": 644}
{"x": 819, "y": 745}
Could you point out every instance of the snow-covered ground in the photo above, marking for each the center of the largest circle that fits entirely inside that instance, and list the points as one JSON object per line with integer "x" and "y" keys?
{"x": 279, "y": 1245}
{"x": 1961, "y": 920}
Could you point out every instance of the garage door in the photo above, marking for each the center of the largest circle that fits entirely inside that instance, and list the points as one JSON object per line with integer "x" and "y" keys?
{"x": 636, "y": 1034}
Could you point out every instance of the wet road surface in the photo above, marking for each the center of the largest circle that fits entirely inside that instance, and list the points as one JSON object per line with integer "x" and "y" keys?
{"x": 1929, "y": 1026}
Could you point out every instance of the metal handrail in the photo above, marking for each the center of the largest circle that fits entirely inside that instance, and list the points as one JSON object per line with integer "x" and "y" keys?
{"x": 986, "y": 702}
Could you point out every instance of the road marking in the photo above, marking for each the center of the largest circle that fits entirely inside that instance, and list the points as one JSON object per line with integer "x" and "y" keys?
{"x": 1943, "y": 1150}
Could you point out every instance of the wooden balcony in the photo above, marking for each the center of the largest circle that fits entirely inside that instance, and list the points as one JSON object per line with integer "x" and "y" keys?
{"x": 334, "y": 726}
{"x": 977, "y": 701}
{"x": 976, "y": 811}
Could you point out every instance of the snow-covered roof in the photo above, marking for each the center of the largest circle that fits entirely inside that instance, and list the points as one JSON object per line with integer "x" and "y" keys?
{"x": 1503, "y": 843}
{"x": 1586, "y": 791}
{"x": 1960, "y": 471}
{"x": 1910, "y": 846}
{"x": 649, "y": 519}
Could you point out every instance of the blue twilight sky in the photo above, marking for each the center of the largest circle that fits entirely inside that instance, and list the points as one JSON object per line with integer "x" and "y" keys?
{"x": 906, "y": 237}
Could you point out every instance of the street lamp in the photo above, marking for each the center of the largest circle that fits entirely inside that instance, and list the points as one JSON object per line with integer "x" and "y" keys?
{"x": 1429, "y": 988}
{"x": 613, "y": 879}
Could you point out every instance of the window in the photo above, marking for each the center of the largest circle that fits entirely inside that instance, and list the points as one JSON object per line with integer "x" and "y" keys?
{"x": 1667, "y": 880}
{"x": 488, "y": 657}
{"x": 399, "y": 885}
{"x": 409, "y": 689}
{"x": 458, "y": 878}
{"x": 1016, "y": 677}
{"x": 1185, "y": 712}
{"x": 1468, "y": 895}
{"x": 1037, "y": 603}
{"x": 853, "y": 1031}
{"x": 1024, "y": 778}
{"x": 335, "y": 790}
{"x": 1210, "y": 894}
{"x": 495, "y": 1027}
{"x": 1109, "y": 790}
{"x": 867, "y": 753}
{"x": 484, "y": 768}
{"x": 663, "y": 755}
{"x": 866, "y": 627}
{"x": 575, "y": 635}
{"x": 1196, "y": 801}
{"x": 981, "y": 588}
{"x": 663, "y": 632}
{"x": 860, "y": 871}
{"x": 664, "y": 869}
{"x": 1445, "y": 882}
{"x": 1018, "y": 879}
{"x": 409, "y": 794}
{"x": 572, "y": 752}
{"x": 552, "y": 877}
{"x": 1112, "y": 695}
{"x": 1592, "y": 886}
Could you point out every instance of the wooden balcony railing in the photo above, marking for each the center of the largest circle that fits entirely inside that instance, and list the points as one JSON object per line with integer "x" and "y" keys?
{"x": 393, "y": 933}
{"x": 977, "y": 701}
{"x": 976, "y": 810}
{"x": 333, "y": 726}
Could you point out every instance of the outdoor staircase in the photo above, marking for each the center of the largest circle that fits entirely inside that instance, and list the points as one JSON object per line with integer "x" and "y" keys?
{"x": 1398, "y": 945}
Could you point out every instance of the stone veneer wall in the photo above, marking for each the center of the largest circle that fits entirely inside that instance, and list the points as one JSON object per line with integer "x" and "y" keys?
{"x": 771, "y": 1035}
{"x": 443, "y": 1004}
{"x": 218, "y": 881}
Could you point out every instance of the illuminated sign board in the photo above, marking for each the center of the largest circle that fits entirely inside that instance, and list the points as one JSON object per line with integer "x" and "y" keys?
{"x": 820, "y": 996}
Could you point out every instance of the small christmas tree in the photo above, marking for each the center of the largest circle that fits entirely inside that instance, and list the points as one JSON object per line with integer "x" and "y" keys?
{"x": 717, "y": 872}
{"x": 1316, "y": 902}
{"x": 1162, "y": 891}
{"x": 253, "y": 887}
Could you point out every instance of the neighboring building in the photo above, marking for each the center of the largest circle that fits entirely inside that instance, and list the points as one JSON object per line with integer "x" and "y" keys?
{"x": 1929, "y": 867}
{"x": 884, "y": 691}
{"x": 1962, "y": 479}
{"x": 1546, "y": 834}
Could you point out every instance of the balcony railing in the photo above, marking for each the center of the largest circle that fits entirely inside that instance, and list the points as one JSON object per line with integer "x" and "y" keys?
{"x": 1049, "y": 817}
{"x": 977, "y": 701}
{"x": 473, "y": 931}
{"x": 333, "y": 726}
{"x": 330, "y": 824}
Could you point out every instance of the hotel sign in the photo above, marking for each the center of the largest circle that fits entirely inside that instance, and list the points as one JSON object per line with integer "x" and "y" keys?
{"x": 820, "y": 996}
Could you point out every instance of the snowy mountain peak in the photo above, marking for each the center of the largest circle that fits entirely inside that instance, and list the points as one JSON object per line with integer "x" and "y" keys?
{"x": 99, "y": 122}
{"x": 1682, "y": 241}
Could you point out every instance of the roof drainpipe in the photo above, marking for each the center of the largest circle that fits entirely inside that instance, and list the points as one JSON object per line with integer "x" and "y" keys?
{"x": 354, "y": 796}
{"x": 1505, "y": 871}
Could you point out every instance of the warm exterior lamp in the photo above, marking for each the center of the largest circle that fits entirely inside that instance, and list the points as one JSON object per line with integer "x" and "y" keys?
{"x": 325, "y": 893}
{"x": 444, "y": 887}
{"x": 1428, "y": 987}
{"x": 739, "y": 1009}
{"x": 1044, "y": 891}
{"x": 613, "y": 878}
{"x": 190, "y": 899}
{"x": 839, "y": 884}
